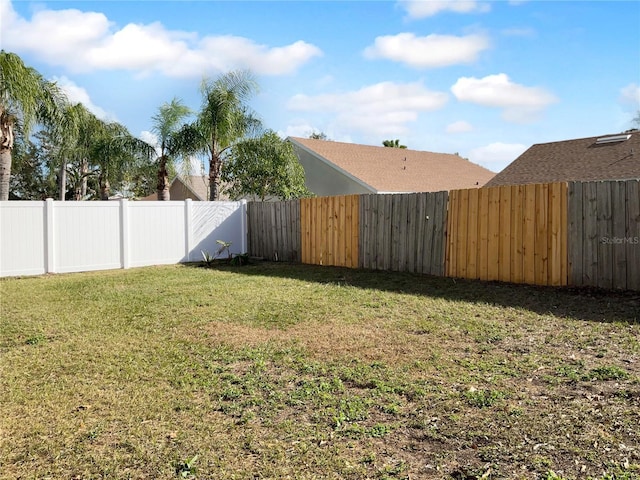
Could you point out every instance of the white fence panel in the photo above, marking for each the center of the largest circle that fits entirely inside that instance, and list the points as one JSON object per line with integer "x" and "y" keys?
{"x": 22, "y": 238}
{"x": 86, "y": 236}
{"x": 229, "y": 219}
{"x": 156, "y": 233}
{"x": 50, "y": 237}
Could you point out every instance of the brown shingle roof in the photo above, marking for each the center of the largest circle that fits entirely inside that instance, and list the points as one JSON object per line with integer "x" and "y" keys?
{"x": 388, "y": 169}
{"x": 195, "y": 187}
{"x": 574, "y": 160}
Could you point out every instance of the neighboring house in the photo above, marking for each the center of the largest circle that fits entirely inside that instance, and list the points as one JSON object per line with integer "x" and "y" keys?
{"x": 336, "y": 168}
{"x": 608, "y": 157}
{"x": 195, "y": 187}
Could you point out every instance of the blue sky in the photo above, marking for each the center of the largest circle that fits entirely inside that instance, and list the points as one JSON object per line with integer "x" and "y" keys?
{"x": 484, "y": 79}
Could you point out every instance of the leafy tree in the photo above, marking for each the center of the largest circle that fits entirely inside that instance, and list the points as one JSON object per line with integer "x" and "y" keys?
{"x": 114, "y": 153}
{"x": 33, "y": 176}
{"x": 393, "y": 144}
{"x": 167, "y": 125}
{"x": 264, "y": 166}
{"x": 318, "y": 136}
{"x": 224, "y": 120}
{"x": 26, "y": 98}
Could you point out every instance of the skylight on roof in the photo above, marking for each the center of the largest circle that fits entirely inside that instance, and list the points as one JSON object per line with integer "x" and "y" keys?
{"x": 612, "y": 139}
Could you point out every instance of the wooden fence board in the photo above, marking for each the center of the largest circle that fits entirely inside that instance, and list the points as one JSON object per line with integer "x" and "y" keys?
{"x": 504, "y": 248}
{"x": 619, "y": 232}
{"x": 564, "y": 238}
{"x": 632, "y": 200}
{"x": 493, "y": 234}
{"x": 529, "y": 234}
{"x": 605, "y": 229}
{"x": 575, "y": 233}
{"x": 438, "y": 233}
{"x": 452, "y": 217}
{"x": 412, "y": 204}
{"x": 471, "y": 259}
{"x": 590, "y": 228}
{"x": 516, "y": 234}
{"x": 483, "y": 234}
{"x": 429, "y": 237}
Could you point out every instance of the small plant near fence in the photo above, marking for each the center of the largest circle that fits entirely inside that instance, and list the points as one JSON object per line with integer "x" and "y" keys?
{"x": 236, "y": 259}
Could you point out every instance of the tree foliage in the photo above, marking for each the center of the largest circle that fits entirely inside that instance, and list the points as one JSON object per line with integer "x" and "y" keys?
{"x": 224, "y": 120}
{"x": 318, "y": 136}
{"x": 168, "y": 126}
{"x": 262, "y": 167}
{"x": 393, "y": 144}
{"x": 26, "y": 98}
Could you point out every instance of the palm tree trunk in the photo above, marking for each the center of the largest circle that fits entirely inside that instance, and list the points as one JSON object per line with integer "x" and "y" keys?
{"x": 214, "y": 177}
{"x": 163, "y": 180}
{"x": 6, "y": 145}
{"x": 62, "y": 187}
{"x": 84, "y": 170}
{"x": 105, "y": 188}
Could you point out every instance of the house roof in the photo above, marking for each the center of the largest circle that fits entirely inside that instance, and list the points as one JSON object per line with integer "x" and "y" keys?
{"x": 180, "y": 187}
{"x": 583, "y": 159}
{"x": 386, "y": 169}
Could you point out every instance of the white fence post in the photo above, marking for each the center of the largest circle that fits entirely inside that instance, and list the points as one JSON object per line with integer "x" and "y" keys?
{"x": 188, "y": 228}
{"x": 49, "y": 247}
{"x": 124, "y": 233}
{"x": 243, "y": 226}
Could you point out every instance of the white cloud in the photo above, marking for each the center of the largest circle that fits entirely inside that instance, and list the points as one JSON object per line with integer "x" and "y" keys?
{"x": 429, "y": 8}
{"x": 89, "y": 41}
{"x": 496, "y": 156}
{"x": 630, "y": 95}
{"x": 77, "y": 94}
{"x": 382, "y": 109}
{"x": 459, "y": 127}
{"x": 428, "y": 52}
{"x": 519, "y": 103}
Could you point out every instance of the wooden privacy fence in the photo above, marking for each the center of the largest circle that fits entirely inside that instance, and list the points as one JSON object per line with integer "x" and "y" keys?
{"x": 403, "y": 232}
{"x": 604, "y": 234}
{"x": 542, "y": 234}
{"x": 510, "y": 233}
{"x": 274, "y": 230}
{"x": 329, "y": 229}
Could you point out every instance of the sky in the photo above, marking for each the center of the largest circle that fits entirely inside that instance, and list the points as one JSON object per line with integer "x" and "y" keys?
{"x": 484, "y": 79}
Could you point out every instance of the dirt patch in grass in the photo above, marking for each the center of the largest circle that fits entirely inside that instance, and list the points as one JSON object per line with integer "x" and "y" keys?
{"x": 284, "y": 371}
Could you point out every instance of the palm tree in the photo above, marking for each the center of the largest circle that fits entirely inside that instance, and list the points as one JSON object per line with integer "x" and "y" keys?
{"x": 114, "y": 153}
{"x": 166, "y": 124}
{"x": 25, "y": 98}
{"x": 223, "y": 120}
{"x": 393, "y": 144}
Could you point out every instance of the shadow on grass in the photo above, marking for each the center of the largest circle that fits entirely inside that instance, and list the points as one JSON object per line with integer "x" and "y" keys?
{"x": 581, "y": 303}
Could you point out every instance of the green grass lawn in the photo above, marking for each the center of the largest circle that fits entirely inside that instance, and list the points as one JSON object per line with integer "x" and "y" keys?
{"x": 289, "y": 371}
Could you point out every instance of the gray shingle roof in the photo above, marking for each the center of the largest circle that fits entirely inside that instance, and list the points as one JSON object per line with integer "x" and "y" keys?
{"x": 582, "y": 159}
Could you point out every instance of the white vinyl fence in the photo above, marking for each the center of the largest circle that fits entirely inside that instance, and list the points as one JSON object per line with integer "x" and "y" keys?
{"x": 58, "y": 237}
